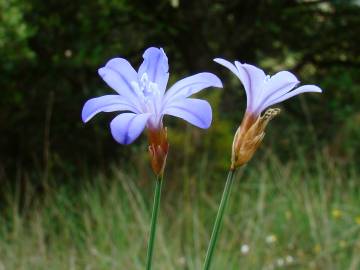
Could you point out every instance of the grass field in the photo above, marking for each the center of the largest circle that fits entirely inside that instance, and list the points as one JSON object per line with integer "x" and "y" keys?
{"x": 293, "y": 215}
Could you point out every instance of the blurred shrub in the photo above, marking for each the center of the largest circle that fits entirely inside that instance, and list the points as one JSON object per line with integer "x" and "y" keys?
{"x": 50, "y": 52}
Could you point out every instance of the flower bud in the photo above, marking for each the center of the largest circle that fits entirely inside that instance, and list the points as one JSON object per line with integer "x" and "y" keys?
{"x": 249, "y": 136}
{"x": 158, "y": 149}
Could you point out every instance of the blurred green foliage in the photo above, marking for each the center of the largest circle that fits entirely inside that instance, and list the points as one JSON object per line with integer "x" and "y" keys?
{"x": 50, "y": 52}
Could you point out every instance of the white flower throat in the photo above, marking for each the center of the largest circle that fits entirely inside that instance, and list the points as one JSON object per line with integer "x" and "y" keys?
{"x": 145, "y": 89}
{"x": 149, "y": 96}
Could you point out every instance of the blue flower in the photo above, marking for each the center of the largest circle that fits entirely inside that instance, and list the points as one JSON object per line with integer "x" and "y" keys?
{"x": 263, "y": 91}
{"x": 142, "y": 97}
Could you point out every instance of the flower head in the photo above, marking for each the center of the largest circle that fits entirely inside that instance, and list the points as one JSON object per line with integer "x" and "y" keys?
{"x": 357, "y": 220}
{"x": 336, "y": 213}
{"x": 244, "y": 249}
{"x": 271, "y": 239}
{"x": 142, "y": 98}
{"x": 262, "y": 91}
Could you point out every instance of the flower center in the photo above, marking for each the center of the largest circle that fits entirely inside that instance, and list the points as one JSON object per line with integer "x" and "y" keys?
{"x": 149, "y": 96}
{"x": 145, "y": 89}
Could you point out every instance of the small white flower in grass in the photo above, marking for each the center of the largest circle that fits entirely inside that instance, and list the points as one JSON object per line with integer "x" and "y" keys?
{"x": 68, "y": 53}
{"x": 280, "y": 262}
{"x": 289, "y": 259}
{"x": 245, "y": 249}
{"x": 174, "y": 3}
{"x": 271, "y": 239}
{"x": 182, "y": 261}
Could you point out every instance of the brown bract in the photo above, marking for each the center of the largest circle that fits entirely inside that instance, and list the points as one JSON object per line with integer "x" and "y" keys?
{"x": 158, "y": 149}
{"x": 249, "y": 136}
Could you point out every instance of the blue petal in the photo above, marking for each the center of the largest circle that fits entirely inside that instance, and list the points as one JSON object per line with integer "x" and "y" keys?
{"x": 195, "y": 111}
{"x": 155, "y": 65}
{"x": 295, "y": 92}
{"x": 108, "y": 103}
{"x": 275, "y": 87}
{"x": 192, "y": 85}
{"x": 119, "y": 75}
{"x": 240, "y": 73}
{"x": 126, "y": 127}
{"x": 228, "y": 65}
{"x": 255, "y": 78}
{"x": 280, "y": 81}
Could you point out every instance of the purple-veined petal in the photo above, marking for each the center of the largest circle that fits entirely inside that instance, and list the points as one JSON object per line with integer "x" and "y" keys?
{"x": 155, "y": 65}
{"x": 275, "y": 87}
{"x": 253, "y": 79}
{"x": 119, "y": 75}
{"x": 126, "y": 127}
{"x": 295, "y": 92}
{"x": 191, "y": 85}
{"x": 195, "y": 111}
{"x": 107, "y": 103}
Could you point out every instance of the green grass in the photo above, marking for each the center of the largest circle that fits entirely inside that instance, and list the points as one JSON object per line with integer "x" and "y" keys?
{"x": 293, "y": 215}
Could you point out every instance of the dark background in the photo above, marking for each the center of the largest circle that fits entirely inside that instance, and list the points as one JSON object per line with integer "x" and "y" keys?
{"x": 50, "y": 52}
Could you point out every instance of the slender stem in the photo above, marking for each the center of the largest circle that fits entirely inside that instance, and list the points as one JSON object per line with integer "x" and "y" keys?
{"x": 154, "y": 216}
{"x": 218, "y": 220}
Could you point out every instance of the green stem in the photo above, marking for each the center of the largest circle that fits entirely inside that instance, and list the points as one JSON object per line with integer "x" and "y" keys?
{"x": 218, "y": 220}
{"x": 154, "y": 217}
